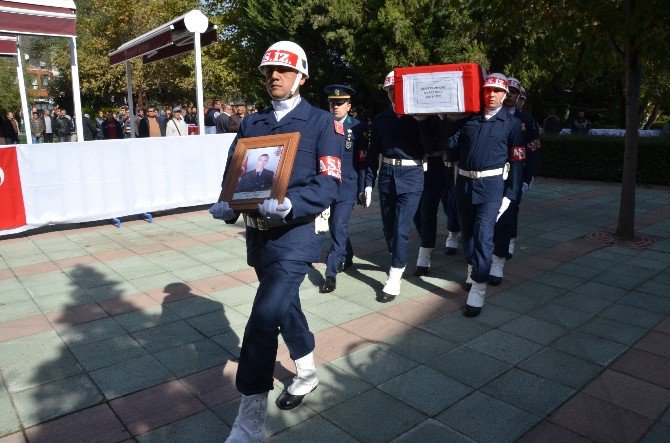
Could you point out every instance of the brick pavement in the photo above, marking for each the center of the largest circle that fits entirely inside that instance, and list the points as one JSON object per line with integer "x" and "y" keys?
{"x": 111, "y": 335}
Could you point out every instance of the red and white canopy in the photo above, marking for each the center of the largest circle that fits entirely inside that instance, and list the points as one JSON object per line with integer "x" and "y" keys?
{"x": 168, "y": 40}
{"x": 38, "y": 17}
{"x": 8, "y": 46}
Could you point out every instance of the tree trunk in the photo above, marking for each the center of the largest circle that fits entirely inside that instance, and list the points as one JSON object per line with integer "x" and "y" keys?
{"x": 626, "y": 223}
{"x": 655, "y": 113}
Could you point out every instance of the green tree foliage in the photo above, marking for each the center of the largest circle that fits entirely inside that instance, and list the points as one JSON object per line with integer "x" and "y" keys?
{"x": 9, "y": 89}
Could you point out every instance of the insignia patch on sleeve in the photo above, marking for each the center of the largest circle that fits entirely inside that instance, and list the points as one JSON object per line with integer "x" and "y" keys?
{"x": 332, "y": 166}
{"x": 339, "y": 127}
{"x": 517, "y": 153}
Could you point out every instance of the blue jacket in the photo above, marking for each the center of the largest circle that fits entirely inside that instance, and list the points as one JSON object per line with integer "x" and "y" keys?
{"x": 532, "y": 140}
{"x": 480, "y": 145}
{"x": 401, "y": 137}
{"x": 309, "y": 190}
{"x": 356, "y": 141}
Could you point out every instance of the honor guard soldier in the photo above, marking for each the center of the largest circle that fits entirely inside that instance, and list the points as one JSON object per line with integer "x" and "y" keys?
{"x": 282, "y": 242}
{"x": 490, "y": 152}
{"x": 438, "y": 179}
{"x": 506, "y": 228}
{"x": 356, "y": 143}
{"x": 402, "y": 142}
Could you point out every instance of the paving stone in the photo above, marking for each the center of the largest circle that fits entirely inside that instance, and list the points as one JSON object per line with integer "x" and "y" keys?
{"x": 374, "y": 416}
{"x": 587, "y": 303}
{"x": 599, "y": 420}
{"x": 576, "y": 270}
{"x": 612, "y": 330}
{"x": 504, "y": 422}
{"x": 547, "y": 431}
{"x": 202, "y": 427}
{"x": 51, "y": 400}
{"x": 419, "y": 386}
{"x": 561, "y": 367}
{"x": 419, "y": 346}
{"x": 374, "y": 364}
{"x": 630, "y": 393}
{"x": 338, "y": 310}
{"x": 468, "y": 366}
{"x": 146, "y": 318}
{"x": 533, "y": 329}
{"x": 432, "y": 431}
{"x": 656, "y": 343}
{"x": 335, "y": 387}
{"x": 193, "y": 306}
{"x": 91, "y": 332}
{"x": 313, "y": 429}
{"x": 616, "y": 277}
{"x": 514, "y": 301}
{"x": 456, "y": 328}
{"x": 9, "y": 422}
{"x": 495, "y": 316}
{"x": 560, "y": 315}
{"x": 45, "y": 345}
{"x": 108, "y": 352}
{"x": 529, "y": 392}
{"x": 658, "y": 434}
{"x": 632, "y": 316}
{"x": 217, "y": 322}
{"x": 600, "y": 290}
{"x": 590, "y": 348}
{"x": 504, "y": 346}
{"x": 166, "y": 336}
{"x": 648, "y": 302}
{"x": 193, "y": 357}
{"x": 559, "y": 280}
{"x": 130, "y": 376}
{"x": 39, "y": 370}
{"x": 666, "y": 417}
{"x": 645, "y": 366}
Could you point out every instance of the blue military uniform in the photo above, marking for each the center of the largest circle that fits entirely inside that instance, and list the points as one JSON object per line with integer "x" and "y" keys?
{"x": 506, "y": 227}
{"x": 282, "y": 254}
{"x": 402, "y": 141}
{"x": 483, "y": 145}
{"x": 353, "y": 181}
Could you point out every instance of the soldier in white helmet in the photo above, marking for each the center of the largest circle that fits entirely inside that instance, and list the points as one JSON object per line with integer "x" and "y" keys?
{"x": 282, "y": 242}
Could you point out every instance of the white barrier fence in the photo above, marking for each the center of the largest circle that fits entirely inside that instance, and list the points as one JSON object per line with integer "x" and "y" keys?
{"x": 616, "y": 132}
{"x": 79, "y": 182}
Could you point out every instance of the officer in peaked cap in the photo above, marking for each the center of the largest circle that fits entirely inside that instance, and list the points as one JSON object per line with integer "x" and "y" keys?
{"x": 341, "y": 254}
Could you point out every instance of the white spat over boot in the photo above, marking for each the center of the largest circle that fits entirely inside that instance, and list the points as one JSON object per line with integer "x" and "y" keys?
{"x": 249, "y": 426}
{"x": 510, "y": 248}
{"x": 452, "y": 243}
{"x": 423, "y": 261}
{"x": 496, "y": 272}
{"x": 392, "y": 285}
{"x": 304, "y": 382}
{"x": 473, "y": 306}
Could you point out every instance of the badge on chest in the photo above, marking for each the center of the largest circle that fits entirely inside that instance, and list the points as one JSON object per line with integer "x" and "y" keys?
{"x": 350, "y": 142}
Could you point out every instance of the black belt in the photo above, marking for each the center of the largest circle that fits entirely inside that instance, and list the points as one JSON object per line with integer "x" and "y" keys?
{"x": 263, "y": 223}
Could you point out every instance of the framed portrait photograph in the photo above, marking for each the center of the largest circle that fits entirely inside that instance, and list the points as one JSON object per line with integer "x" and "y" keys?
{"x": 260, "y": 169}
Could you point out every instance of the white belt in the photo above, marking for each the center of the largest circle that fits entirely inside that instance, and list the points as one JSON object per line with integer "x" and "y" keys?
{"x": 401, "y": 162}
{"x": 481, "y": 174}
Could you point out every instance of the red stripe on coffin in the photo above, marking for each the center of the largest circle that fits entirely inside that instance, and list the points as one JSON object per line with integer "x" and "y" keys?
{"x": 473, "y": 79}
{"x": 13, "y": 213}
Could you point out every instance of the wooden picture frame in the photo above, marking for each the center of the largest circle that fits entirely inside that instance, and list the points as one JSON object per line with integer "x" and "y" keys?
{"x": 245, "y": 189}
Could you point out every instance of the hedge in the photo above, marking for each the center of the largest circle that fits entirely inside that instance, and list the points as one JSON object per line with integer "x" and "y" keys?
{"x": 601, "y": 158}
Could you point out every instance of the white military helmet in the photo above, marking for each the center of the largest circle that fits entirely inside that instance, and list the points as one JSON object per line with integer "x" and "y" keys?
{"x": 523, "y": 93}
{"x": 514, "y": 83}
{"x": 389, "y": 80}
{"x": 285, "y": 53}
{"x": 496, "y": 80}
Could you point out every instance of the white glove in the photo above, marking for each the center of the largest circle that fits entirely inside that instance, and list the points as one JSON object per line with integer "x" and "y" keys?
{"x": 222, "y": 211}
{"x": 272, "y": 209}
{"x": 365, "y": 197}
{"x": 525, "y": 187}
{"x": 503, "y": 207}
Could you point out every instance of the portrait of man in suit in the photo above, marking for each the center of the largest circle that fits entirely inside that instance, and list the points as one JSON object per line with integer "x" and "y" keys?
{"x": 259, "y": 179}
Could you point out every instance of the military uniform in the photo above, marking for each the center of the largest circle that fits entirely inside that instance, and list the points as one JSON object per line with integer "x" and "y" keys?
{"x": 281, "y": 252}
{"x": 483, "y": 148}
{"x": 256, "y": 181}
{"x": 402, "y": 142}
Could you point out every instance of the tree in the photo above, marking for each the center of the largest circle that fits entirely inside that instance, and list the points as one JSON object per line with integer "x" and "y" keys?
{"x": 9, "y": 89}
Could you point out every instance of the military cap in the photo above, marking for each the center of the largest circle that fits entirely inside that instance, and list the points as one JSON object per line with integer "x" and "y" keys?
{"x": 339, "y": 93}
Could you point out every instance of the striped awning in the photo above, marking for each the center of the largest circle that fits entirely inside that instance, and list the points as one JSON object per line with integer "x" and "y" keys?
{"x": 38, "y": 17}
{"x": 8, "y": 46}
{"x": 165, "y": 41}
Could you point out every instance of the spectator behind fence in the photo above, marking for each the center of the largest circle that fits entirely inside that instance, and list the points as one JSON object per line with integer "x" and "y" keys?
{"x": 90, "y": 130}
{"x": 233, "y": 124}
{"x": 63, "y": 126}
{"x": 210, "y": 116}
{"x": 98, "y": 125}
{"x": 49, "y": 126}
{"x": 222, "y": 119}
{"x": 552, "y": 124}
{"x": 151, "y": 125}
{"x": 37, "y": 128}
{"x": 111, "y": 127}
{"x": 192, "y": 116}
{"x": 174, "y": 126}
{"x": 581, "y": 125}
{"x": 11, "y": 129}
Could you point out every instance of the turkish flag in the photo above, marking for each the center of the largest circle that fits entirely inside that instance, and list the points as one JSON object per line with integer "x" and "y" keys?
{"x": 12, "y": 211}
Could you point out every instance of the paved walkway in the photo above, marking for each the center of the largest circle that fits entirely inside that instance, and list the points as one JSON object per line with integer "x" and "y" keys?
{"x": 111, "y": 335}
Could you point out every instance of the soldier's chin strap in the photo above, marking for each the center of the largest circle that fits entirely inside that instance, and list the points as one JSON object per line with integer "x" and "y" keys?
{"x": 294, "y": 88}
